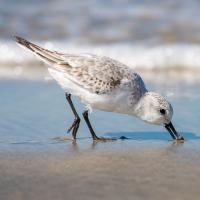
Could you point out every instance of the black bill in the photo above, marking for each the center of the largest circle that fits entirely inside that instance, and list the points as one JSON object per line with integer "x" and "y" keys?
{"x": 173, "y": 132}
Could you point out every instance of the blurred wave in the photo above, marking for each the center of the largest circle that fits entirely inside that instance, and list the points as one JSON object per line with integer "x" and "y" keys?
{"x": 146, "y": 35}
{"x": 177, "y": 58}
{"x": 102, "y": 21}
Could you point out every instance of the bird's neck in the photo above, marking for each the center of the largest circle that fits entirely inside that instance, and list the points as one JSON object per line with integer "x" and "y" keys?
{"x": 141, "y": 105}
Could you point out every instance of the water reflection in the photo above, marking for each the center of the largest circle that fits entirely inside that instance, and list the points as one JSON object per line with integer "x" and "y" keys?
{"x": 148, "y": 135}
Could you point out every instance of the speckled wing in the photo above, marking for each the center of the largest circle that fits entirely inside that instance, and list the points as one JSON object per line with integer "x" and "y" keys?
{"x": 97, "y": 74}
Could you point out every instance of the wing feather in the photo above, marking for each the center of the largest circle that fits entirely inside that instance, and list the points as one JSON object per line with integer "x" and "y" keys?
{"x": 95, "y": 73}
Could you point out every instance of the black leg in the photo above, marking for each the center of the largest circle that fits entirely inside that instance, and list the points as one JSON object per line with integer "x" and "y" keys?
{"x": 94, "y": 136}
{"x": 74, "y": 127}
{"x": 85, "y": 115}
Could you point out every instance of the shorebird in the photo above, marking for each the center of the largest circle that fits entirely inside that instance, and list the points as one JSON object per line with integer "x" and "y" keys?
{"x": 105, "y": 84}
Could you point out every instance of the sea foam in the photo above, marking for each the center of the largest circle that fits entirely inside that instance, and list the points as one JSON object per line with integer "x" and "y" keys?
{"x": 159, "y": 57}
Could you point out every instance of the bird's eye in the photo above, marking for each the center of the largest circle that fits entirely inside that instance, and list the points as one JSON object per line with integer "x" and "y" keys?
{"x": 162, "y": 111}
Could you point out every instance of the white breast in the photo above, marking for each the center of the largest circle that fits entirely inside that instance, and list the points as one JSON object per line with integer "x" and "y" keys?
{"x": 116, "y": 101}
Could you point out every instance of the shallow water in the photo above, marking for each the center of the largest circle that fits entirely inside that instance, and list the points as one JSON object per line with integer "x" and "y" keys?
{"x": 38, "y": 162}
{"x": 34, "y": 112}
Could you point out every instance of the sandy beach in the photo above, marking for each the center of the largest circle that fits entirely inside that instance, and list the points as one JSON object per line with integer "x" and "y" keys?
{"x": 119, "y": 170}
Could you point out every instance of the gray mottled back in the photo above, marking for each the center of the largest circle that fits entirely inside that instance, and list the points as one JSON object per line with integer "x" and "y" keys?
{"x": 99, "y": 74}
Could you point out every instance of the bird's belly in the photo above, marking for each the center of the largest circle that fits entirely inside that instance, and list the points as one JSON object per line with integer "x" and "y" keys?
{"x": 113, "y": 102}
{"x": 116, "y": 101}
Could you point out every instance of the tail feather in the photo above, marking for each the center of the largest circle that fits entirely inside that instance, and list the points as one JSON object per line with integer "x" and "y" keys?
{"x": 51, "y": 57}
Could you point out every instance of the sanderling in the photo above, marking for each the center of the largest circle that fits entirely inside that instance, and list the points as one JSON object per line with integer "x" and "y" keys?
{"x": 105, "y": 84}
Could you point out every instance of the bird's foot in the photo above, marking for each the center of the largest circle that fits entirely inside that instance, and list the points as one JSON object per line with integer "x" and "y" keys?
{"x": 74, "y": 127}
{"x": 102, "y": 139}
{"x": 62, "y": 139}
{"x": 179, "y": 140}
{"x": 74, "y": 124}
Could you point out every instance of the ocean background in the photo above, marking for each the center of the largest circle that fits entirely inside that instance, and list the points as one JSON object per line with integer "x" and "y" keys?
{"x": 146, "y": 35}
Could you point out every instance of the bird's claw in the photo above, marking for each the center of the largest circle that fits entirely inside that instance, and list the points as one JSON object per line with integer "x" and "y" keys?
{"x": 75, "y": 124}
{"x": 179, "y": 140}
{"x": 102, "y": 139}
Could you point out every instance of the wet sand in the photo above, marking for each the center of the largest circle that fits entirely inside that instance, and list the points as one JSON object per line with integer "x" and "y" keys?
{"x": 117, "y": 170}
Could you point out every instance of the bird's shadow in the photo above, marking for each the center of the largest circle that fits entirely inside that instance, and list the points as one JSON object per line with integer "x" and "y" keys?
{"x": 149, "y": 135}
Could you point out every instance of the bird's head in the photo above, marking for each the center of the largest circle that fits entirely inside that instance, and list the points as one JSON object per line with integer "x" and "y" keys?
{"x": 155, "y": 109}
